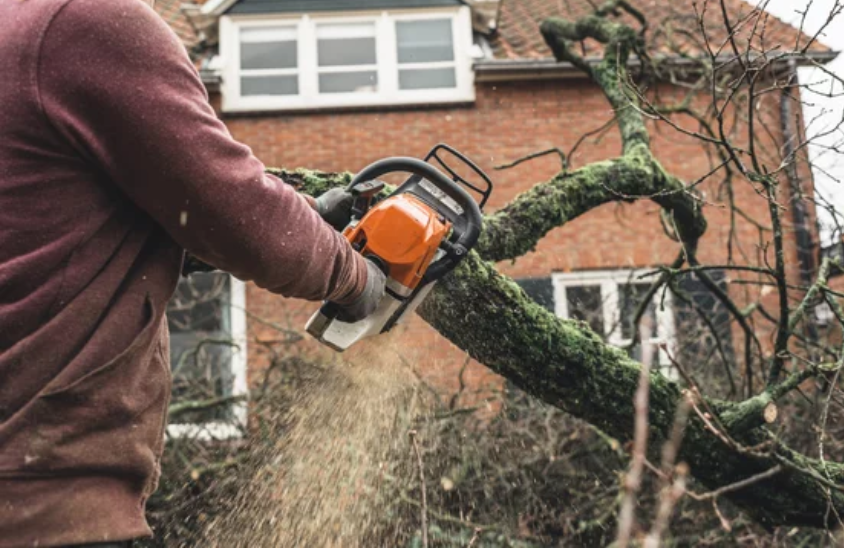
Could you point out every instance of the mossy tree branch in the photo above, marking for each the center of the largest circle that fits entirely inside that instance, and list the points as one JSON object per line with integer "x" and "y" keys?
{"x": 610, "y": 73}
{"x": 565, "y": 364}
{"x": 516, "y": 228}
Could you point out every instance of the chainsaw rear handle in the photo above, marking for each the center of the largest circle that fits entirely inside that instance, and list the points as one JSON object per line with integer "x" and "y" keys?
{"x": 455, "y": 251}
{"x": 331, "y": 309}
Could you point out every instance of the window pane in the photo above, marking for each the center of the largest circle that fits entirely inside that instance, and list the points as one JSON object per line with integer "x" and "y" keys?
{"x": 269, "y": 85}
{"x": 201, "y": 366}
{"x": 196, "y": 304}
{"x": 268, "y": 48}
{"x": 346, "y": 45}
{"x": 425, "y": 41}
{"x": 346, "y": 30}
{"x": 348, "y": 82}
{"x": 427, "y": 79}
{"x": 540, "y": 290}
{"x": 353, "y": 51}
{"x": 585, "y": 304}
{"x": 199, "y": 318}
{"x": 695, "y": 340}
{"x": 630, "y": 295}
{"x": 268, "y": 34}
{"x": 268, "y": 55}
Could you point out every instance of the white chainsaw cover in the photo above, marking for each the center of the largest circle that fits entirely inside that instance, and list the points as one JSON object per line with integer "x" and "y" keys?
{"x": 341, "y": 335}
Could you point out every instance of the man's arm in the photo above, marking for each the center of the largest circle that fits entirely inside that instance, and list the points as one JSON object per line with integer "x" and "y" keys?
{"x": 116, "y": 83}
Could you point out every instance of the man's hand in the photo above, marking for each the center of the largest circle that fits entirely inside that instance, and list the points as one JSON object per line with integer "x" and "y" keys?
{"x": 369, "y": 299}
{"x": 335, "y": 207}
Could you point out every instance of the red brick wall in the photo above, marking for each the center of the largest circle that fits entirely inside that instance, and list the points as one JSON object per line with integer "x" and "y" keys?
{"x": 508, "y": 121}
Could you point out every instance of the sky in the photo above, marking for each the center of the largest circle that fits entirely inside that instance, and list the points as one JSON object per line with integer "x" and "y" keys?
{"x": 821, "y": 112}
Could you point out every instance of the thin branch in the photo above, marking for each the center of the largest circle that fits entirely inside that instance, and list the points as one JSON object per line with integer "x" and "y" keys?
{"x": 719, "y": 345}
{"x": 645, "y": 302}
{"x": 633, "y": 478}
{"x": 180, "y": 408}
{"x": 555, "y": 150}
{"x": 711, "y": 495}
{"x": 781, "y": 343}
{"x": 424, "y": 509}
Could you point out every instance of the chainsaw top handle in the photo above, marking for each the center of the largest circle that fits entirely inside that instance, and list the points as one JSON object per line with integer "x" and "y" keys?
{"x": 466, "y": 218}
{"x": 484, "y": 190}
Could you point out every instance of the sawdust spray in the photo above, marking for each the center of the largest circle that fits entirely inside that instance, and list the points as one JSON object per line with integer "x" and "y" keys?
{"x": 337, "y": 461}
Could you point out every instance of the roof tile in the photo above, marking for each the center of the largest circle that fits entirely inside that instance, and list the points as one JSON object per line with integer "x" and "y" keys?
{"x": 673, "y": 27}
{"x": 173, "y": 14}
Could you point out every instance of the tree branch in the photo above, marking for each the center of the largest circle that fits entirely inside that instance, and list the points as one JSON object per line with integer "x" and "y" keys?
{"x": 516, "y": 228}
{"x": 563, "y": 362}
{"x": 566, "y": 365}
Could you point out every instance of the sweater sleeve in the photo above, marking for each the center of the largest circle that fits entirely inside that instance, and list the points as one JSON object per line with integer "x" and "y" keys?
{"x": 117, "y": 84}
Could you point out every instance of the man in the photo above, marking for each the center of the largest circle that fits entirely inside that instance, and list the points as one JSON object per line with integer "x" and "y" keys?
{"x": 111, "y": 164}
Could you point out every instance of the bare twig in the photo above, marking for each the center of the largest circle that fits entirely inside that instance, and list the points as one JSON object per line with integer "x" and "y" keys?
{"x": 668, "y": 500}
{"x": 180, "y": 408}
{"x": 633, "y": 478}
{"x": 711, "y": 495}
{"x": 475, "y": 536}
{"x": 532, "y": 156}
{"x": 424, "y": 509}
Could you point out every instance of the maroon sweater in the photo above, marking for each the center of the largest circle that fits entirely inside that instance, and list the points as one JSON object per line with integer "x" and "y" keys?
{"x": 112, "y": 163}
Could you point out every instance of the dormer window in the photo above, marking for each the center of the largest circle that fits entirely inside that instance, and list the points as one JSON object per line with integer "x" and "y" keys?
{"x": 323, "y": 60}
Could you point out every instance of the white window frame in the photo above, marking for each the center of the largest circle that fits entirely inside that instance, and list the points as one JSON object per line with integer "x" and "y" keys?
{"x": 222, "y": 430}
{"x": 388, "y": 93}
{"x": 824, "y": 314}
{"x": 609, "y": 281}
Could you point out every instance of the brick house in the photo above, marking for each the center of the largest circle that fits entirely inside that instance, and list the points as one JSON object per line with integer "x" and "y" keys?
{"x": 337, "y": 84}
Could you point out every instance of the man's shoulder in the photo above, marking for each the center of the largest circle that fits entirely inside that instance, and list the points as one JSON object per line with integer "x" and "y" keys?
{"x": 129, "y": 18}
{"x": 30, "y": 21}
{"x": 27, "y": 18}
{"x": 126, "y": 33}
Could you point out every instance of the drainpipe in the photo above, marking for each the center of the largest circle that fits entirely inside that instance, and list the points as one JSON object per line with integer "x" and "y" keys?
{"x": 803, "y": 232}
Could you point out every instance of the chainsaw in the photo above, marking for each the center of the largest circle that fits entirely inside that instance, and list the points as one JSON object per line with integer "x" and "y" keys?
{"x": 416, "y": 234}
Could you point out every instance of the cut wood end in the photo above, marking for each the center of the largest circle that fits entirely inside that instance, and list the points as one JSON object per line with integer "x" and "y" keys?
{"x": 770, "y": 412}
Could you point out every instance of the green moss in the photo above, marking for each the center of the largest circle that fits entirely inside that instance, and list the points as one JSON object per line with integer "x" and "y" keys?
{"x": 566, "y": 365}
{"x": 311, "y": 182}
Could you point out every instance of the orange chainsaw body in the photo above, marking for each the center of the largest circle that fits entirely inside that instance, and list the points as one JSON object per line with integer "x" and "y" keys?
{"x": 404, "y": 233}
